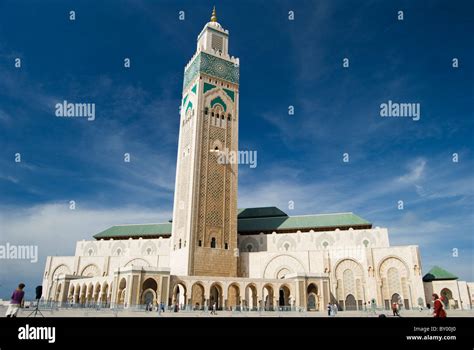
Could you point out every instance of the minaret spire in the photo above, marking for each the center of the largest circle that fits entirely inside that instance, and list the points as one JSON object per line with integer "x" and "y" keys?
{"x": 214, "y": 16}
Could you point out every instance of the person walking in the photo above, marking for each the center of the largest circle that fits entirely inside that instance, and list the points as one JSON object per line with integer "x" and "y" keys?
{"x": 395, "y": 309}
{"x": 16, "y": 301}
{"x": 438, "y": 307}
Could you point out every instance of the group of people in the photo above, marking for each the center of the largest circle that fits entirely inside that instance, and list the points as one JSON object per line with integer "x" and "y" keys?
{"x": 17, "y": 301}
{"x": 332, "y": 309}
{"x": 159, "y": 307}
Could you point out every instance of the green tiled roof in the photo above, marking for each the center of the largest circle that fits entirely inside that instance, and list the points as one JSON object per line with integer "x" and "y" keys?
{"x": 300, "y": 222}
{"x": 135, "y": 231}
{"x": 438, "y": 274}
{"x": 250, "y": 220}
{"x": 260, "y": 212}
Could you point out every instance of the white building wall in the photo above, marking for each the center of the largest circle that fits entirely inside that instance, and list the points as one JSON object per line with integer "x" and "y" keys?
{"x": 464, "y": 295}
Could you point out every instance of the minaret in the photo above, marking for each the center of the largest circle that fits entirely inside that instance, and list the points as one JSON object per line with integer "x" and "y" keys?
{"x": 204, "y": 233}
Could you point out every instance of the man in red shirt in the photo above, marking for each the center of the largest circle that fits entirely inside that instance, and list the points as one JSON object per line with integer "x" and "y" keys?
{"x": 438, "y": 307}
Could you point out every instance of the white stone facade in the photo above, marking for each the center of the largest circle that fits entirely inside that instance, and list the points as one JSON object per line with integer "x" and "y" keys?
{"x": 357, "y": 263}
{"x": 205, "y": 261}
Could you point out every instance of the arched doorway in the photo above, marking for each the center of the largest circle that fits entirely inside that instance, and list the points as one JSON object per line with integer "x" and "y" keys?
{"x": 284, "y": 298}
{"x": 121, "y": 292}
{"x": 90, "y": 290}
{"x": 251, "y": 301}
{"x": 149, "y": 288}
{"x": 83, "y": 294}
{"x": 103, "y": 295}
{"x": 396, "y": 298}
{"x": 447, "y": 297}
{"x": 350, "y": 303}
{"x": 96, "y": 293}
{"x": 70, "y": 297}
{"x": 233, "y": 297}
{"x": 150, "y": 283}
{"x": 312, "y": 302}
{"x": 148, "y": 298}
{"x": 77, "y": 294}
{"x": 267, "y": 299}
{"x": 197, "y": 296}
{"x": 215, "y": 296}
{"x": 179, "y": 295}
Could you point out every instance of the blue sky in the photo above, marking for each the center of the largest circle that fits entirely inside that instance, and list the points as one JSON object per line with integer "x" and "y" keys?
{"x": 283, "y": 63}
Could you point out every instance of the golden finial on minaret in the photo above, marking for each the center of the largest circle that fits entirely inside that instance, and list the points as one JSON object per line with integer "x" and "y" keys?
{"x": 214, "y": 17}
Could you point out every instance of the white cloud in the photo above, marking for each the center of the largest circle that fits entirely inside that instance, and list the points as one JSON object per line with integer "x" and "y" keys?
{"x": 415, "y": 173}
{"x": 54, "y": 228}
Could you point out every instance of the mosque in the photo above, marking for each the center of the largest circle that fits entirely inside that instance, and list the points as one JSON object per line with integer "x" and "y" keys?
{"x": 213, "y": 253}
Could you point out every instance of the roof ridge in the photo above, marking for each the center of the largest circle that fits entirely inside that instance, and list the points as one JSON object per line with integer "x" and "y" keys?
{"x": 151, "y": 223}
{"x": 323, "y": 214}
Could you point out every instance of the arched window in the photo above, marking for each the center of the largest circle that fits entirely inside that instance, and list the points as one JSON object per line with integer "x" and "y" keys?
{"x": 148, "y": 251}
{"x": 118, "y": 252}
{"x": 365, "y": 243}
{"x": 90, "y": 252}
{"x": 213, "y": 242}
{"x": 206, "y": 110}
{"x": 286, "y": 246}
{"x": 325, "y": 244}
{"x": 226, "y": 246}
{"x": 249, "y": 247}
{"x": 200, "y": 243}
{"x": 179, "y": 244}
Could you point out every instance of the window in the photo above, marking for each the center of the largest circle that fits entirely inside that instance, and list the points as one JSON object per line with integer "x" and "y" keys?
{"x": 325, "y": 244}
{"x": 286, "y": 246}
{"x": 226, "y": 246}
{"x": 200, "y": 243}
{"x": 90, "y": 252}
{"x": 148, "y": 251}
{"x": 216, "y": 148}
{"x": 179, "y": 244}
{"x": 217, "y": 42}
{"x": 206, "y": 110}
{"x": 249, "y": 248}
{"x": 365, "y": 243}
{"x": 213, "y": 242}
{"x": 118, "y": 251}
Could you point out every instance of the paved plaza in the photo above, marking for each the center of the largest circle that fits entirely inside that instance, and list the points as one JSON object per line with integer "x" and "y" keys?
{"x": 141, "y": 313}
